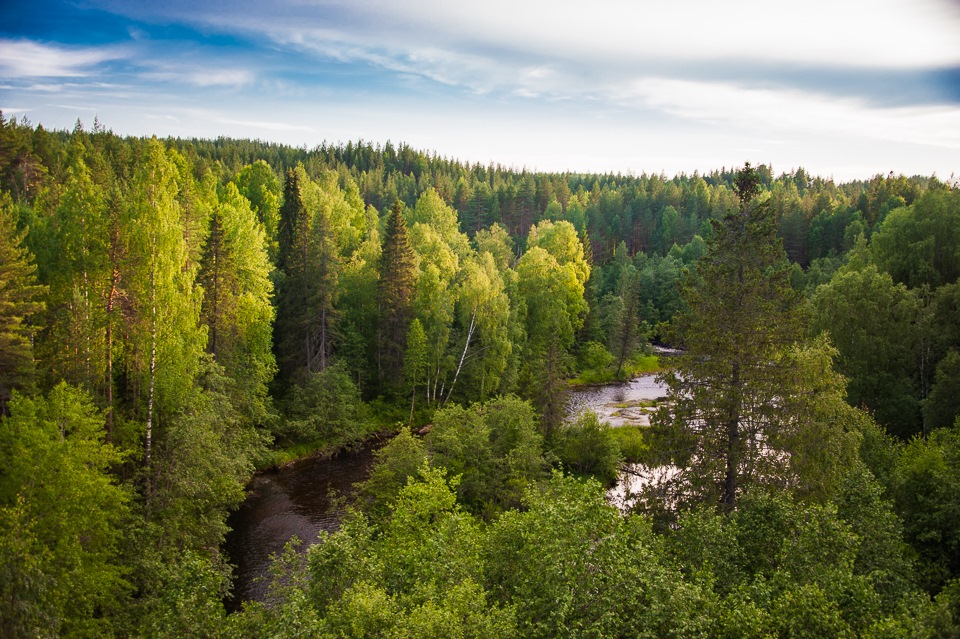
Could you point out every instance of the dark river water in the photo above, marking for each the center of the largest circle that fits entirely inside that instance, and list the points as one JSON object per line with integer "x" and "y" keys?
{"x": 295, "y": 500}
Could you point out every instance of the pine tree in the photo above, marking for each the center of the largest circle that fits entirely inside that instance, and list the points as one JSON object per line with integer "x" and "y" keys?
{"x": 626, "y": 331}
{"x": 292, "y": 214}
{"x": 398, "y": 272}
{"x": 20, "y": 297}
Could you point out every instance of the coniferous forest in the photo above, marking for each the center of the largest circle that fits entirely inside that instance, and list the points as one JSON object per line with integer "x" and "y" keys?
{"x": 176, "y": 314}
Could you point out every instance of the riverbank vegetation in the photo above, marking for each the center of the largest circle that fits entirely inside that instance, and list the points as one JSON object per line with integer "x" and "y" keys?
{"x": 175, "y": 313}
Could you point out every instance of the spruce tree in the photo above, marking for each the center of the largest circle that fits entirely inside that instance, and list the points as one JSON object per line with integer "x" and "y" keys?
{"x": 20, "y": 297}
{"x": 739, "y": 321}
{"x": 309, "y": 261}
{"x": 292, "y": 214}
{"x": 398, "y": 272}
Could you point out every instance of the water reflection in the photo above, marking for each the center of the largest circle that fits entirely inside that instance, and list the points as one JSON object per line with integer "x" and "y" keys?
{"x": 293, "y": 501}
{"x": 296, "y": 500}
{"x": 626, "y": 403}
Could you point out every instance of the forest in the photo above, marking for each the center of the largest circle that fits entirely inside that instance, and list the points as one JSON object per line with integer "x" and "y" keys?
{"x": 177, "y": 314}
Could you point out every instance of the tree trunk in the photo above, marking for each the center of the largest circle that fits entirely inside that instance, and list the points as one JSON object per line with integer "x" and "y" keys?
{"x": 463, "y": 355}
{"x": 733, "y": 446}
{"x": 153, "y": 368}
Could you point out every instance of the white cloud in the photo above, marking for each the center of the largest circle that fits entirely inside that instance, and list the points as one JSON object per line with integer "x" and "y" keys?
{"x": 868, "y": 33}
{"x": 26, "y": 59}
{"x": 266, "y": 125}
{"x": 210, "y": 77}
{"x": 553, "y": 84}
{"x": 794, "y": 113}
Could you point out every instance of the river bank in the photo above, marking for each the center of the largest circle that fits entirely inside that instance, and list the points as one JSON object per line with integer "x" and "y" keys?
{"x": 298, "y": 499}
{"x": 307, "y": 489}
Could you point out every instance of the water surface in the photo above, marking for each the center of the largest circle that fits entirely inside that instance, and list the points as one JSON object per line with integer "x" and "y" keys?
{"x": 295, "y": 500}
{"x": 620, "y": 404}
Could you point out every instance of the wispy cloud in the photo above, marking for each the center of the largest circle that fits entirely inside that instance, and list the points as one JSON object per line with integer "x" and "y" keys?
{"x": 209, "y": 77}
{"x": 266, "y": 125}
{"x": 27, "y": 59}
{"x": 791, "y": 113}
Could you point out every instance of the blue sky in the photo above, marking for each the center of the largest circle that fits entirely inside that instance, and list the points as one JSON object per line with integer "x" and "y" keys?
{"x": 846, "y": 89}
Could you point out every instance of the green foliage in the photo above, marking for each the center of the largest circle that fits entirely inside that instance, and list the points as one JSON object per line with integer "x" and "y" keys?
{"x": 883, "y": 557}
{"x": 162, "y": 352}
{"x": 917, "y": 245}
{"x": 327, "y": 407}
{"x": 494, "y": 449}
{"x": 398, "y": 268}
{"x": 394, "y": 464}
{"x": 237, "y": 310}
{"x": 357, "y": 341}
{"x": 415, "y": 361}
{"x": 187, "y": 599}
{"x": 632, "y": 444}
{"x": 871, "y": 321}
{"x": 149, "y": 256}
{"x": 419, "y": 577}
{"x": 61, "y": 519}
{"x": 626, "y": 332}
{"x": 942, "y": 406}
{"x": 310, "y": 260}
{"x": 287, "y": 610}
{"x": 550, "y": 286}
{"x": 594, "y": 358}
{"x": 926, "y": 490}
{"x": 496, "y": 241}
{"x": 20, "y": 297}
{"x": 203, "y": 461}
{"x": 779, "y": 568}
{"x": 588, "y": 447}
{"x": 260, "y": 186}
{"x": 572, "y": 566}
{"x": 485, "y": 327}
{"x": 739, "y": 321}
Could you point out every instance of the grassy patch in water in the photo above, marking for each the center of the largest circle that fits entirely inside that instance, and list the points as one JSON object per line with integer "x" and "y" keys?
{"x": 639, "y": 403}
{"x": 637, "y": 365}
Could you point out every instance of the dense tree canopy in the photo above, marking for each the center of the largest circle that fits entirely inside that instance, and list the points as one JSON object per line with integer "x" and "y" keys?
{"x": 175, "y": 313}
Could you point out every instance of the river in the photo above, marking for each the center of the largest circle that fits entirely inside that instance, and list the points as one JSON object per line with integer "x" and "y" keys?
{"x": 296, "y": 500}
{"x": 620, "y": 404}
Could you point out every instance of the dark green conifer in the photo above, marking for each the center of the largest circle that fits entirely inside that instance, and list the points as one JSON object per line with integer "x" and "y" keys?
{"x": 20, "y": 297}
{"x": 395, "y": 296}
{"x": 739, "y": 320}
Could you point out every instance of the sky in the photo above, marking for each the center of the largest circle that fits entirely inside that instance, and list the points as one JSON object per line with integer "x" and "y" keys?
{"x": 843, "y": 88}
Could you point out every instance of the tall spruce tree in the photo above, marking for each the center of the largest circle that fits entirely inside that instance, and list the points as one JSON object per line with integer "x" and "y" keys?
{"x": 20, "y": 297}
{"x": 626, "y": 333}
{"x": 309, "y": 261}
{"x": 398, "y": 273}
{"x": 292, "y": 214}
{"x": 740, "y": 320}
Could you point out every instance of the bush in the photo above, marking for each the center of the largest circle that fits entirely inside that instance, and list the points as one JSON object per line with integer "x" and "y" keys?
{"x": 326, "y": 407}
{"x": 633, "y": 447}
{"x": 588, "y": 447}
